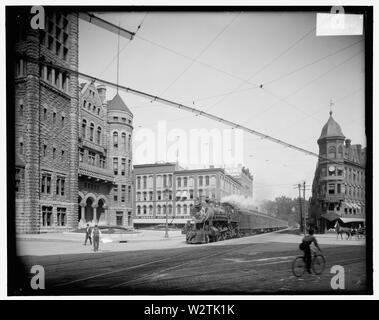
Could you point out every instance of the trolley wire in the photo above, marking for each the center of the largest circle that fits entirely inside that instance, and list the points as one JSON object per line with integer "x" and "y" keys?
{"x": 174, "y": 104}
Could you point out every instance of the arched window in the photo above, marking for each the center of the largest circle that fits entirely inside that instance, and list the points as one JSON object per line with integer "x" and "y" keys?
{"x": 123, "y": 139}
{"x": 185, "y": 209}
{"x": 89, "y": 106}
{"x": 138, "y": 209}
{"x": 84, "y": 103}
{"x": 115, "y": 139}
{"x": 98, "y": 135}
{"x": 144, "y": 210}
{"x": 169, "y": 209}
{"x": 332, "y": 152}
{"x": 178, "y": 209}
{"x": 150, "y": 209}
{"x": 159, "y": 209}
{"x": 91, "y": 130}
{"x": 129, "y": 142}
{"x": 340, "y": 151}
{"x": 84, "y": 128}
{"x": 164, "y": 209}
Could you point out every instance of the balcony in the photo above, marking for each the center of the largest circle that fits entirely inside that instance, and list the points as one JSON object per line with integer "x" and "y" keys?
{"x": 96, "y": 173}
{"x": 333, "y": 197}
{"x": 91, "y": 145}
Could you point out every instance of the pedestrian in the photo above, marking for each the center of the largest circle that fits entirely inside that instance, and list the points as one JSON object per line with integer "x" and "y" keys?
{"x": 88, "y": 235}
{"x": 96, "y": 233}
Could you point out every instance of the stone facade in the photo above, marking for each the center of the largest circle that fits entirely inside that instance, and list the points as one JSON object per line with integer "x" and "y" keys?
{"x": 165, "y": 187}
{"x": 338, "y": 190}
{"x": 65, "y": 179}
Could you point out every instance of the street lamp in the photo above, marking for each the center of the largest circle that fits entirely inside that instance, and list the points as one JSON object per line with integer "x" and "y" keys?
{"x": 166, "y": 192}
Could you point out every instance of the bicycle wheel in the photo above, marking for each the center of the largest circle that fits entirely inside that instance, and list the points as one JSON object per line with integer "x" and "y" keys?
{"x": 298, "y": 266}
{"x": 318, "y": 264}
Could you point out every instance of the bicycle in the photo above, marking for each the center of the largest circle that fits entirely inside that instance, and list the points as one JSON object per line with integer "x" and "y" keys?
{"x": 318, "y": 264}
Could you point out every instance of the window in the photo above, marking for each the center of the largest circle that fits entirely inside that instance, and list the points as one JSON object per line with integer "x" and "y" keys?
{"x": 44, "y": 113}
{"x": 150, "y": 209}
{"x": 62, "y": 120}
{"x": 185, "y": 209}
{"x": 115, "y": 193}
{"x": 91, "y": 158}
{"x": 46, "y": 183}
{"x": 123, "y": 119}
{"x": 129, "y": 192}
{"x": 144, "y": 182}
{"x": 144, "y": 196}
{"x": 102, "y": 161}
{"x": 123, "y": 191}
{"x": 138, "y": 209}
{"x": 18, "y": 180}
{"x": 191, "y": 194}
{"x": 159, "y": 195}
{"x": 159, "y": 209}
{"x": 44, "y": 152}
{"x": 62, "y": 155}
{"x": 164, "y": 181}
{"x": 207, "y": 180}
{"x": 54, "y": 118}
{"x": 115, "y": 166}
{"x": 151, "y": 196}
{"x": 81, "y": 154}
{"x": 332, "y": 170}
{"x": 138, "y": 196}
{"x": 20, "y": 68}
{"x": 332, "y": 152}
{"x": 179, "y": 182}
{"x": 178, "y": 209}
{"x": 47, "y": 213}
{"x": 123, "y": 139}
{"x": 144, "y": 210}
{"x": 84, "y": 127}
{"x": 185, "y": 182}
{"x": 123, "y": 166}
{"x": 119, "y": 218}
{"x": 60, "y": 186}
{"x": 339, "y": 171}
{"x": 115, "y": 118}
{"x": 21, "y": 110}
{"x": 21, "y": 142}
{"x": 138, "y": 182}
{"x": 331, "y": 188}
{"x": 200, "y": 181}
{"x": 61, "y": 217}
{"x": 338, "y": 188}
{"x": 115, "y": 139}
{"x": 91, "y": 130}
{"x": 98, "y": 139}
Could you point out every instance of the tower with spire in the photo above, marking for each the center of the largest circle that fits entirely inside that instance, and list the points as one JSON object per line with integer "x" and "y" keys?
{"x": 338, "y": 190}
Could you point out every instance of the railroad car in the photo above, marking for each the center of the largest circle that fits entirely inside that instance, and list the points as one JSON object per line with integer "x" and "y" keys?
{"x": 221, "y": 221}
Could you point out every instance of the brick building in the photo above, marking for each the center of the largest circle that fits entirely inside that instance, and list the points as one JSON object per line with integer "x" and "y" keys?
{"x": 73, "y": 154}
{"x": 244, "y": 176}
{"x": 338, "y": 190}
{"x": 165, "y": 187}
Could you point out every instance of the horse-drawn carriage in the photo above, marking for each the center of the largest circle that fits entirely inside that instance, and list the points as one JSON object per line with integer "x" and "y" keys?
{"x": 350, "y": 231}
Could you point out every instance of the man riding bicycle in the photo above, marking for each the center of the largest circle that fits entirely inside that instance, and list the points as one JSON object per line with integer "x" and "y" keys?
{"x": 306, "y": 247}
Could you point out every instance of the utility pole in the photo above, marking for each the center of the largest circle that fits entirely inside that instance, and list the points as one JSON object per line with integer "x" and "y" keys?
{"x": 305, "y": 221}
{"x": 301, "y": 209}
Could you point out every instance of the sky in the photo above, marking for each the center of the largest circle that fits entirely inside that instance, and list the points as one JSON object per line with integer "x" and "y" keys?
{"x": 268, "y": 71}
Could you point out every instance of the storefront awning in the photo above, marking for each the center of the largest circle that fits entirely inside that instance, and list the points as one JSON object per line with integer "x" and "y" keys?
{"x": 330, "y": 216}
{"x": 348, "y": 205}
{"x": 346, "y": 220}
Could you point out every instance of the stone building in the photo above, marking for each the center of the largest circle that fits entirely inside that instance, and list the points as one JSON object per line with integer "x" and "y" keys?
{"x": 162, "y": 188}
{"x": 338, "y": 190}
{"x": 72, "y": 153}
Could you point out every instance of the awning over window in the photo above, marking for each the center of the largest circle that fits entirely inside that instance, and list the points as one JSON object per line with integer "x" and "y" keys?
{"x": 348, "y": 205}
{"x": 346, "y": 220}
{"x": 330, "y": 216}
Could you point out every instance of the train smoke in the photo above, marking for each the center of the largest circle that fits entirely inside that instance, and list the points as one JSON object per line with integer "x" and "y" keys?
{"x": 240, "y": 201}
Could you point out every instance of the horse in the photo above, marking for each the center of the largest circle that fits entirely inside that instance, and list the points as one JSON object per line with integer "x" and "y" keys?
{"x": 341, "y": 230}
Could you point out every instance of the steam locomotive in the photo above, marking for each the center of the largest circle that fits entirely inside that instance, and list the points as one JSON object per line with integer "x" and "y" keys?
{"x": 213, "y": 222}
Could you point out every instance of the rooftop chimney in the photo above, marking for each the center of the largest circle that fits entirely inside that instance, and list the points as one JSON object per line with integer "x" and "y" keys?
{"x": 102, "y": 92}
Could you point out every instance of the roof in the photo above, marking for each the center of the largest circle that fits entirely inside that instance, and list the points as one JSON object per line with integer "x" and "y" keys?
{"x": 117, "y": 104}
{"x": 331, "y": 129}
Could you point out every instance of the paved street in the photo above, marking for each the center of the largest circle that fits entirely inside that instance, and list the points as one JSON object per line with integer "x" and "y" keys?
{"x": 251, "y": 265}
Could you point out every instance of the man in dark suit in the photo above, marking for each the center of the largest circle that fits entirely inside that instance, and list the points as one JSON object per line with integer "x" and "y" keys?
{"x": 88, "y": 235}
